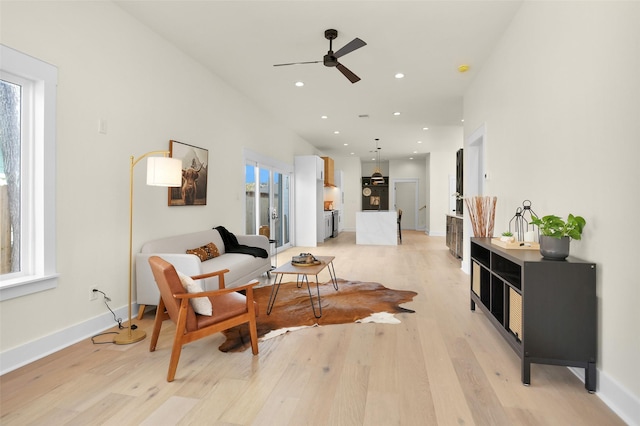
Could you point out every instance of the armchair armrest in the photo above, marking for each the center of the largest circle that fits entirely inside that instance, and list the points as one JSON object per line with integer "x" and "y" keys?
{"x": 219, "y": 274}
{"x": 214, "y": 293}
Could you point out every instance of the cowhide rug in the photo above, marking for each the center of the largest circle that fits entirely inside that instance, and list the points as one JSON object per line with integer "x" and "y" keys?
{"x": 354, "y": 301}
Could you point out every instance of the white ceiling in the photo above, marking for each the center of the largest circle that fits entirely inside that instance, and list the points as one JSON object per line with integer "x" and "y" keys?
{"x": 427, "y": 40}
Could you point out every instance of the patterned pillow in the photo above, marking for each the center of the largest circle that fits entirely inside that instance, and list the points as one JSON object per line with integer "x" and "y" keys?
{"x": 205, "y": 252}
{"x": 201, "y": 305}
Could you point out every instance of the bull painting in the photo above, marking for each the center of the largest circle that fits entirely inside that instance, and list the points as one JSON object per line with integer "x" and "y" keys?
{"x": 193, "y": 191}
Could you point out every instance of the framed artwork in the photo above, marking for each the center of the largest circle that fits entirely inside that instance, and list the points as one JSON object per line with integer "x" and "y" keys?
{"x": 195, "y": 165}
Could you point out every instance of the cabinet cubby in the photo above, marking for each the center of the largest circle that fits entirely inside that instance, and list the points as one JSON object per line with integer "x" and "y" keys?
{"x": 480, "y": 255}
{"x": 545, "y": 309}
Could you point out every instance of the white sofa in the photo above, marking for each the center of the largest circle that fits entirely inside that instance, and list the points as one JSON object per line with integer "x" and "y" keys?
{"x": 242, "y": 267}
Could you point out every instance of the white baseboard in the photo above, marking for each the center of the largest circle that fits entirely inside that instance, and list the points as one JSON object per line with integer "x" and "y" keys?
{"x": 17, "y": 357}
{"x": 617, "y": 397}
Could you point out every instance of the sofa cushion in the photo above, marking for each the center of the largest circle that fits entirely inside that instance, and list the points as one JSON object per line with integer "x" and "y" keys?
{"x": 200, "y": 305}
{"x": 238, "y": 265}
{"x": 206, "y": 252}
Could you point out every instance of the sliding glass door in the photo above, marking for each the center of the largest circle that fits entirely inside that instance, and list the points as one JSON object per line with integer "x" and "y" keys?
{"x": 267, "y": 201}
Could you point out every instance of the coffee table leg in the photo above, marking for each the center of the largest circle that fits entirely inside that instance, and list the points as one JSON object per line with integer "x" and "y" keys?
{"x": 332, "y": 274}
{"x": 313, "y": 306}
{"x": 274, "y": 292}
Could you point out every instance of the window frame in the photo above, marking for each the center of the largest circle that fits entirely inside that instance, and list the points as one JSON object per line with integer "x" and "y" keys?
{"x": 38, "y": 233}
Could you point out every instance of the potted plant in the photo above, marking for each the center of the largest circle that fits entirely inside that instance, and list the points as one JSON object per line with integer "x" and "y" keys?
{"x": 507, "y": 237}
{"x": 556, "y": 234}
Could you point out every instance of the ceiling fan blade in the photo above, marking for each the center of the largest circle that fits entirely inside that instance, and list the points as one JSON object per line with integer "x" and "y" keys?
{"x": 354, "y": 44}
{"x": 298, "y": 63}
{"x": 347, "y": 73}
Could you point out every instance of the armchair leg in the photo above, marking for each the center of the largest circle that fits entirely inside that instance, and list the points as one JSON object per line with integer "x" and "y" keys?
{"x": 254, "y": 335}
{"x": 175, "y": 357}
{"x": 157, "y": 325}
{"x": 181, "y": 328}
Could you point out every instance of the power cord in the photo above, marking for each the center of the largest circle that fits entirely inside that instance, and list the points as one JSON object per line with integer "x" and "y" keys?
{"x": 107, "y": 299}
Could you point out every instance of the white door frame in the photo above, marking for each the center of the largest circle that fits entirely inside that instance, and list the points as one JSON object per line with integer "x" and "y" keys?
{"x": 475, "y": 148}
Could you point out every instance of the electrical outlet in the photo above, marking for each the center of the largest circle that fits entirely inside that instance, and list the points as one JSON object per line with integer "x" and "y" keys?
{"x": 94, "y": 295}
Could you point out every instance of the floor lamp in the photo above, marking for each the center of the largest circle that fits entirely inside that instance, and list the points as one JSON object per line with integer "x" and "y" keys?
{"x": 161, "y": 171}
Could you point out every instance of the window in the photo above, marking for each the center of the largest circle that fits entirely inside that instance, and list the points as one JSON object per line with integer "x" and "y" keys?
{"x": 27, "y": 174}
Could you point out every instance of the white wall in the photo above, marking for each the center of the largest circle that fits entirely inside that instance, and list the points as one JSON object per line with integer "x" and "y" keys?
{"x": 368, "y": 167}
{"x": 442, "y": 144}
{"x": 561, "y": 101}
{"x": 112, "y": 68}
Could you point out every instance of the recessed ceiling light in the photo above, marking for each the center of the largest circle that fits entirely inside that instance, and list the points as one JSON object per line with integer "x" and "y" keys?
{"x": 419, "y": 142}
{"x": 425, "y": 128}
{"x": 337, "y": 132}
{"x": 396, "y": 113}
{"x": 399, "y": 75}
{"x": 346, "y": 144}
{"x": 353, "y": 153}
{"x": 324, "y": 117}
{"x": 410, "y": 158}
{"x": 299, "y": 84}
{"x": 462, "y": 120}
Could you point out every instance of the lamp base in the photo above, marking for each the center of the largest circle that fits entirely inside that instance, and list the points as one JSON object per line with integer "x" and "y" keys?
{"x": 128, "y": 337}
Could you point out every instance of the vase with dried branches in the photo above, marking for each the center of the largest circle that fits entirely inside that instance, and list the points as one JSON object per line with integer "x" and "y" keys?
{"x": 482, "y": 211}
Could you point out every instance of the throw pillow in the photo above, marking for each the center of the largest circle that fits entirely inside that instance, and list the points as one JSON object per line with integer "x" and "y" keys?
{"x": 206, "y": 252}
{"x": 201, "y": 305}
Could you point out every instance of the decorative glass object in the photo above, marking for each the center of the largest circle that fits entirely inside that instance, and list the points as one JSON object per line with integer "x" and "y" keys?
{"x": 521, "y": 224}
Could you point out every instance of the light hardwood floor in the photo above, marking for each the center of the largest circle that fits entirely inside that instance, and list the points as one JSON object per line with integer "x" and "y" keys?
{"x": 442, "y": 365}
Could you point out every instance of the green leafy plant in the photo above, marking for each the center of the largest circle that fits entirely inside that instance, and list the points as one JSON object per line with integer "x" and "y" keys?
{"x": 507, "y": 234}
{"x": 556, "y": 227}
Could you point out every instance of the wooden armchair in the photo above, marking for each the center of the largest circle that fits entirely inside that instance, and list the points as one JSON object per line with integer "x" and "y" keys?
{"x": 230, "y": 308}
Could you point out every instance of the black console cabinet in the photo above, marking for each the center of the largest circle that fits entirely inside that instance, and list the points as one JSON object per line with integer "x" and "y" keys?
{"x": 545, "y": 309}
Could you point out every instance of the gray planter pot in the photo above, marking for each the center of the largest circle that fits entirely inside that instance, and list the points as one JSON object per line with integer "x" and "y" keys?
{"x": 554, "y": 248}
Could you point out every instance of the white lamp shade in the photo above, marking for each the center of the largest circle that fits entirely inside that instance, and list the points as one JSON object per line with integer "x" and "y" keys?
{"x": 164, "y": 171}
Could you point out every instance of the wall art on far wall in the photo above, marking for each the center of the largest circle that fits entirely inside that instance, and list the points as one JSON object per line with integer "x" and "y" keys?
{"x": 195, "y": 166}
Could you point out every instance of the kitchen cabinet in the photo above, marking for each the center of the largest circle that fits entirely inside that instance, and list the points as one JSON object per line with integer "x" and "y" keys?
{"x": 309, "y": 205}
{"x": 454, "y": 235}
{"x": 329, "y": 173}
{"x": 328, "y": 224}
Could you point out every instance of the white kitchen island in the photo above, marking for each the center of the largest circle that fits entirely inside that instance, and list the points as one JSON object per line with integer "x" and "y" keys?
{"x": 375, "y": 227}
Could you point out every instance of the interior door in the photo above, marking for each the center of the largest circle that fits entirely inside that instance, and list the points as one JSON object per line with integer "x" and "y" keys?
{"x": 406, "y": 199}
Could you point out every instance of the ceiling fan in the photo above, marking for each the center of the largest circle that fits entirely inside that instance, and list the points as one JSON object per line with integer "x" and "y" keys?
{"x": 331, "y": 58}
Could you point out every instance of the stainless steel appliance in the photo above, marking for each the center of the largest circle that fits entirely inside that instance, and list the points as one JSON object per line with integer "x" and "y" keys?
{"x": 335, "y": 219}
